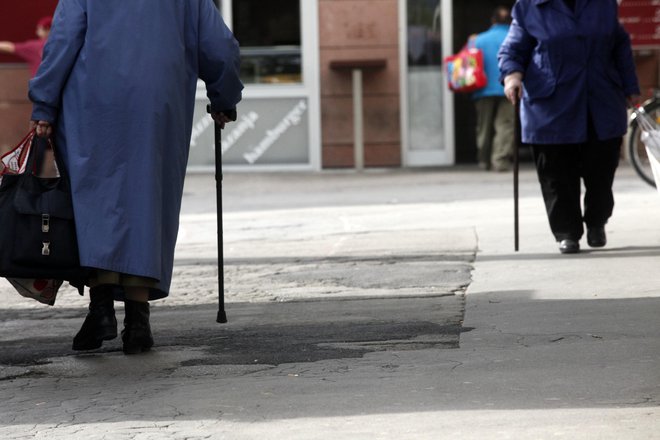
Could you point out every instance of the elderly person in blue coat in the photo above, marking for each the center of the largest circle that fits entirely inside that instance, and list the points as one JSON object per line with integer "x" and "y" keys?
{"x": 116, "y": 89}
{"x": 571, "y": 63}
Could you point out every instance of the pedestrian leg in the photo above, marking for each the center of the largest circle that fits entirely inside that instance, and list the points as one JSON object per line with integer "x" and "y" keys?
{"x": 503, "y": 140}
{"x": 485, "y": 113}
{"x": 559, "y": 175}
{"x": 136, "y": 335}
{"x": 600, "y": 160}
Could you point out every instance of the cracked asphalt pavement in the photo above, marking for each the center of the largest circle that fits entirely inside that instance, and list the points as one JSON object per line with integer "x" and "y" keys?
{"x": 381, "y": 305}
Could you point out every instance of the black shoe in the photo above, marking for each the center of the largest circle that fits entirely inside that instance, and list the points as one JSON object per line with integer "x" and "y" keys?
{"x": 596, "y": 236}
{"x": 100, "y": 324}
{"x": 569, "y": 246}
{"x": 136, "y": 335}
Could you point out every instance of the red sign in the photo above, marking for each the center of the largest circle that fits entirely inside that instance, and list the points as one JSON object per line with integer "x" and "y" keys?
{"x": 641, "y": 18}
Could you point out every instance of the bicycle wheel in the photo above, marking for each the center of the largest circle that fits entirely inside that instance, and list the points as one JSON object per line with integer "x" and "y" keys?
{"x": 637, "y": 151}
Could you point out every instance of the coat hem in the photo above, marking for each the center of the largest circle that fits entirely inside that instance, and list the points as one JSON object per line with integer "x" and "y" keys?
{"x": 154, "y": 293}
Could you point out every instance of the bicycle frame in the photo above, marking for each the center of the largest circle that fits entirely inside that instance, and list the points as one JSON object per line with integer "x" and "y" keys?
{"x": 636, "y": 151}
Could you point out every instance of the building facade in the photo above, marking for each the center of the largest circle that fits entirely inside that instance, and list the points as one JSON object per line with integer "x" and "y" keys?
{"x": 329, "y": 83}
{"x": 301, "y": 108}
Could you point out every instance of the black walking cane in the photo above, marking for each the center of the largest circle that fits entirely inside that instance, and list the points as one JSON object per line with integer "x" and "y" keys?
{"x": 516, "y": 166}
{"x": 217, "y": 133}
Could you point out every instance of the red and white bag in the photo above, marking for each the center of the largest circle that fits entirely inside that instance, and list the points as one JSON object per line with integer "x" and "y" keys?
{"x": 13, "y": 161}
{"x": 44, "y": 291}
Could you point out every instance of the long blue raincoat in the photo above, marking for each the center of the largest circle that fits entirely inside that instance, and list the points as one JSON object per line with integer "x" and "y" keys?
{"x": 118, "y": 79}
{"x": 574, "y": 64}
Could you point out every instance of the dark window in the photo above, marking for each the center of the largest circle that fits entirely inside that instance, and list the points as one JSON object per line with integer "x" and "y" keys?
{"x": 269, "y": 35}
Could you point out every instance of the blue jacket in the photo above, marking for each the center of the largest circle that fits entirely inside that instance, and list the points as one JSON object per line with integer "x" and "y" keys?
{"x": 490, "y": 42}
{"x": 119, "y": 79}
{"x": 574, "y": 64}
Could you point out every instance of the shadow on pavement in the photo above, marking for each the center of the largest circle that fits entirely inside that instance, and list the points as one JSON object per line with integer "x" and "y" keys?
{"x": 346, "y": 358}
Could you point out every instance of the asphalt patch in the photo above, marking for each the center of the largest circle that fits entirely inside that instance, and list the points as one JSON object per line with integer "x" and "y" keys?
{"x": 260, "y": 333}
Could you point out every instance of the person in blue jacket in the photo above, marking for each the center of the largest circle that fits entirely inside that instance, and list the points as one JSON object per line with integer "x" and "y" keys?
{"x": 570, "y": 61}
{"x": 495, "y": 117}
{"x": 116, "y": 89}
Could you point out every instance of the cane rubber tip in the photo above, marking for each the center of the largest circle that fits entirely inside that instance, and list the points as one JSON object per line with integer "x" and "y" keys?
{"x": 222, "y": 317}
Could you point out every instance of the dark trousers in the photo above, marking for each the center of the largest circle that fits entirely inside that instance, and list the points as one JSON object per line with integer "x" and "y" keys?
{"x": 560, "y": 168}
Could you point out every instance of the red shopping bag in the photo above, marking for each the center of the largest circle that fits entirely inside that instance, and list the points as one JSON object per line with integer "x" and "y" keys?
{"x": 465, "y": 70}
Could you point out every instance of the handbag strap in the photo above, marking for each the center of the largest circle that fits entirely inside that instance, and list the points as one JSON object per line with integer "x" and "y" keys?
{"x": 36, "y": 155}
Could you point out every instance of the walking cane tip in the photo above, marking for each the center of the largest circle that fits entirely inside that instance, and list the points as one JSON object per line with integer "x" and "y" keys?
{"x": 222, "y": 317}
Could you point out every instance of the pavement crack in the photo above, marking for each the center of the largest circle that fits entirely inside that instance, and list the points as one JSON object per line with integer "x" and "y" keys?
{"x": 458, "y": 364}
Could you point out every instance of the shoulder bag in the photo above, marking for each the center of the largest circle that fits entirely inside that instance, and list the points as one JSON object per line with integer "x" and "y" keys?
{"x": 38, "y": 234}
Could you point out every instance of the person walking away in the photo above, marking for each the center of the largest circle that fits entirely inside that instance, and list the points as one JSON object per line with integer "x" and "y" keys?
{"x": 570, "y": 61}
{"x": 31, "y": 51}
{"x": 116, "y": 89}
{"x": 495, "y": 117}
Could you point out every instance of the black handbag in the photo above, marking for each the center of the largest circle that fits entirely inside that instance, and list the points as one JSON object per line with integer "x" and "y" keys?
{"x": 37, "y": 228}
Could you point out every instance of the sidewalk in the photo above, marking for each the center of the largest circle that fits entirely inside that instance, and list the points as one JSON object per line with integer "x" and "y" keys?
{"x": 380, "y": 305}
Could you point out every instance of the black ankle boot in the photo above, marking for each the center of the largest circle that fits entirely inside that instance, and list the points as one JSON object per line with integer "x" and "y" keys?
{"x": 137, "y": 331}
{"x": 100, "y": 324}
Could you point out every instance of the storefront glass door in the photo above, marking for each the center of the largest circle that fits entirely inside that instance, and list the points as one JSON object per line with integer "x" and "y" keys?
{"x": 427, "y": 126}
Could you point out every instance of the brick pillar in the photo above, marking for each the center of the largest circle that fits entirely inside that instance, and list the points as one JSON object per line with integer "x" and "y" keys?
{"x": 359, "y": 29}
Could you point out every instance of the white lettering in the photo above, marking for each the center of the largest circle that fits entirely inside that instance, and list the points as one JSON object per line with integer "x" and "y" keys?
{"x": 292, "y": 118}
{"x": 245, "y": 123}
